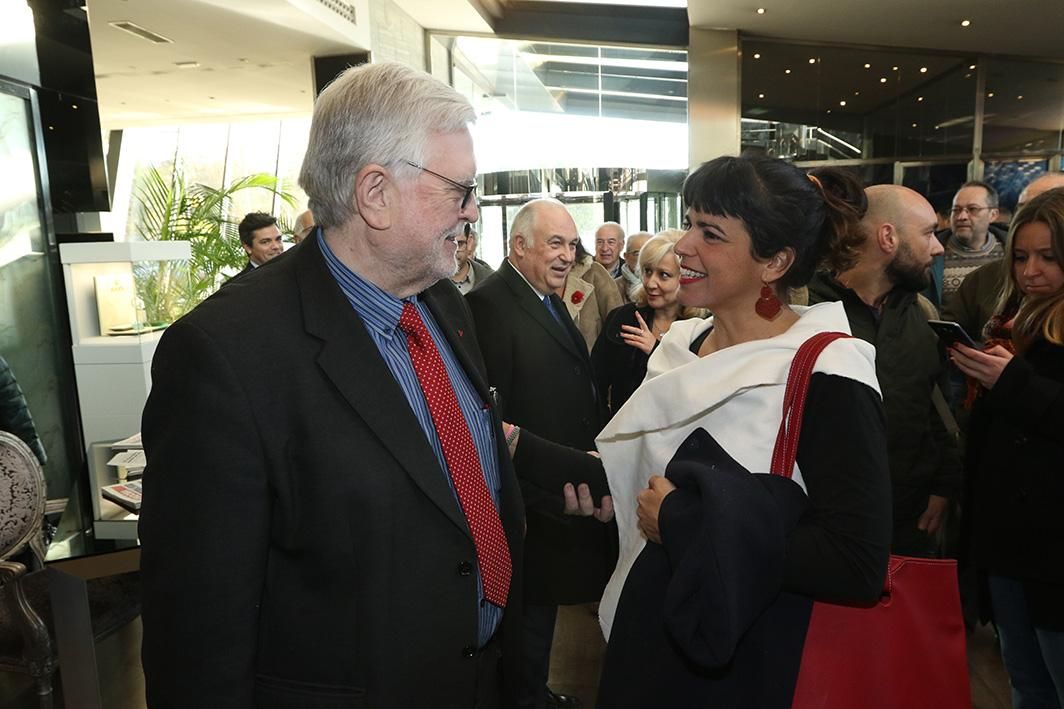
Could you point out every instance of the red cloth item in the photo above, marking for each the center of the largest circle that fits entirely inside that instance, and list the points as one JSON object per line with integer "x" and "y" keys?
{"x": 907, "y": 650}
{"x": 463, "y": 463}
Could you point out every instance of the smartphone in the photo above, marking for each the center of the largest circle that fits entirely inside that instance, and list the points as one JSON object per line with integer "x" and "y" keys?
{"x": 951, "y": 333}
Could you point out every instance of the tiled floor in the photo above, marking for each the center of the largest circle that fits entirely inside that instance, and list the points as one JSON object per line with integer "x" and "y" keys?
{"x": 575, "y": 668}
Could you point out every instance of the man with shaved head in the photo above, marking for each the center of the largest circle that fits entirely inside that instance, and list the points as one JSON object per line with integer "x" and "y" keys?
{"x": 880, "y": 294}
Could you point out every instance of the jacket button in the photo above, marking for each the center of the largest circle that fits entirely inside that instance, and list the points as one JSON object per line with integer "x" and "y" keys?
{"x": 577, "y": 370}
{"x": 465, "y": 568}
{"x": 469, "y": 651}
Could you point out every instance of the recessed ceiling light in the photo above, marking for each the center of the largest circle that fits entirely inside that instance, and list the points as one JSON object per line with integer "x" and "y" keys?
{"x": 757, "y": 56}
{"x": 894, "y": 68}
{"x": 761, "y": 95}
{"x": 761, "y": 11}
{"x": 829, "y": 110}
{"x": 74, "y": 106}
{"x": 856, "y": 93}
{"x": 786, "y": 71}
{"x": 1019, "y": 98}
{"x": 842, "y": 103}
{"x": 923, "y": 70}
{"x": 867, "y": 66}
{"x": 990, "y": 95}
{"x": 971, "y": 66}
{"x": 914, "y": 125}
{"x": 919, "y": 98}
{"x": 187, "y": 65}
{"x": 812, "y": 60}
{"x": 882, "y": 79}
{"x": 966, "y": 23}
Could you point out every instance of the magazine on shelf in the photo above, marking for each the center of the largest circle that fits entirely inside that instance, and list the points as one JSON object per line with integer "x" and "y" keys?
{"x": 128, "y": 443}
{"x": 126, "y": 494}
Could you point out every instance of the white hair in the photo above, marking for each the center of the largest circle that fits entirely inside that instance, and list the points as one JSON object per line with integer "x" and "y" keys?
{"x": 374, "y": 113}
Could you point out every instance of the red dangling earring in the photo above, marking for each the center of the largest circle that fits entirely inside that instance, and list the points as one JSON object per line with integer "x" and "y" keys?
{"x": 768, "y": 306}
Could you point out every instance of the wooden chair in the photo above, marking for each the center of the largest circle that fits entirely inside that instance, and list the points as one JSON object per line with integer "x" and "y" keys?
{"x": 25, "y": 644}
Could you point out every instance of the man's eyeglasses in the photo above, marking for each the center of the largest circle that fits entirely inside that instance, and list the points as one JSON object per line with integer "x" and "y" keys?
{"x": 470, "y": 190}
{"x": 973, "y": 209}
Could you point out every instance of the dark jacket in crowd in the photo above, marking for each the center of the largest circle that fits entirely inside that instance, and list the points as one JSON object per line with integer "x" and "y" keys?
{"x": 1014, "y": 461}
{"x": 619, "y": 368}
{"x": 924, "y": 460}
{"x": 15, "y": 413}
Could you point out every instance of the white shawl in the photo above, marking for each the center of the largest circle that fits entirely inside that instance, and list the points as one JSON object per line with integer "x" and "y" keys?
{"x": 736, "y": 394}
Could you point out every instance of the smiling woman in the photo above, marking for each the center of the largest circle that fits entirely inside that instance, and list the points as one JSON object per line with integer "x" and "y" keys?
{"x": 682, "y": 632}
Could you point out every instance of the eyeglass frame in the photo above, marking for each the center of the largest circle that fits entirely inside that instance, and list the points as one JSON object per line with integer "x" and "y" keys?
{"x": 972, "y": 209}
{"x": 470, "y": 190}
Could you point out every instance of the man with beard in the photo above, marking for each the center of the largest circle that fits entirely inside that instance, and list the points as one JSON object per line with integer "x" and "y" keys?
{"x": 879, "y": 292}
{"x": 331, "y": 516}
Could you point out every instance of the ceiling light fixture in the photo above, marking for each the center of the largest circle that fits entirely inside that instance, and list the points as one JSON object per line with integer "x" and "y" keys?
{"x": 966, "y": 23}
{"x": 971, "y": 66}
{"x": 923, "y": 70}
{"x": 882, "y": 79}
{"x": 867, "y": 66}
{"x": 138, "y": 31}
{"x": 786, "y": 71}
{"x": 761, "y": 95}
{"x": 990, "y": 95}
{"x": 894, "y": 68}
{"x": 812, "y": 60}
{"x": 761, "y": 11}
{"x": 757, "y": 55}
{"x": 842, "y": 103}
{"x": 919, "y": 98}
{"x": 914, "y": 125}
{"x": 187, "y": 65}
{"x": 1020, "y": 97}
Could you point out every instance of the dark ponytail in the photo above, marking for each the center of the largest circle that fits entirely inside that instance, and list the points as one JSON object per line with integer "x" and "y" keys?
{"x": 846, "y": 203}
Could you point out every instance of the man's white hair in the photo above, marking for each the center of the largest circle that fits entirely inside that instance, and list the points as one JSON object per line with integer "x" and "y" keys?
{"x": 374, "y": 113}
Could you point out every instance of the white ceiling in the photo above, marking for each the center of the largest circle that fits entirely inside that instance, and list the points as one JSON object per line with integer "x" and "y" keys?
{"x": 255, "y": 55}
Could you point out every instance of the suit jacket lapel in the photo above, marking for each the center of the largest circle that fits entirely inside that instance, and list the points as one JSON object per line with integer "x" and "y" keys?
{"x": 351, "y": 360}
{"x": 526, "y": 299}
{"x": 455, "y": 327}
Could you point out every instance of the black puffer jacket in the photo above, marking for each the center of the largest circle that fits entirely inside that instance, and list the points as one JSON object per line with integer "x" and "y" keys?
{"x": 15, "y": 414}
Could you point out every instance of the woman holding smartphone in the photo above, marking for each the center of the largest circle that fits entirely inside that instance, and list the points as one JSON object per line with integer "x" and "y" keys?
{"x": 1015, "y": 456}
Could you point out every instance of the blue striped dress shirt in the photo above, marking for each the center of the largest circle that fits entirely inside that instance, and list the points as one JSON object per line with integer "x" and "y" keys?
{"x": 380, "y": 313}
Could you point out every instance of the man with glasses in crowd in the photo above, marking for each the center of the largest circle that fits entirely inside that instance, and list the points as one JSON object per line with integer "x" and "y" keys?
{"x": 330, "y": 513}
{"x": 471, "y": 271}
{"x": 973, "y": 239}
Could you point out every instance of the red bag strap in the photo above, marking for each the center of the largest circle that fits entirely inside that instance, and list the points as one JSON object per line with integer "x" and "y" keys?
{"x": 801, "y": 371}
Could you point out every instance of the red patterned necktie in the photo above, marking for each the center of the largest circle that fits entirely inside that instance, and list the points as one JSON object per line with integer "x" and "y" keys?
{"x": 493, "y": 552}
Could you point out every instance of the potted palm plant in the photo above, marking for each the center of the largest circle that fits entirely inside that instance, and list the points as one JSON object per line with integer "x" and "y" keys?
{"x": 172, "y": 209}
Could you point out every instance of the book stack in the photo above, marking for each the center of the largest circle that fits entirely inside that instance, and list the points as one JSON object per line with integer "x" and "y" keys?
{"x": 128, "y": 458}
{"x": 126, "y": 494}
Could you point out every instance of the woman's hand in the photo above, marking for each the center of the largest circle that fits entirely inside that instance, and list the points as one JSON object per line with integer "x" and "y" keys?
{"x": 983, "y": 367}
{"x": 639, "y": 336}
{"x": 650, "y": 505}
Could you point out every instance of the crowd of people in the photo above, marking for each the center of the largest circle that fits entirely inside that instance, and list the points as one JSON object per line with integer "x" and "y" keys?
{"x": 380, "y": 495}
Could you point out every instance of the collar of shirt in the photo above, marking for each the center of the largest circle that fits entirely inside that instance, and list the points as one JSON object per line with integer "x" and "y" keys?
{"x": 539, "y": 296}
{"x": 379, "y": 309}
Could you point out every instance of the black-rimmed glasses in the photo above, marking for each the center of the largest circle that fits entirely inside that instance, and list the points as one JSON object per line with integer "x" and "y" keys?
{"x": 470, "y": 190}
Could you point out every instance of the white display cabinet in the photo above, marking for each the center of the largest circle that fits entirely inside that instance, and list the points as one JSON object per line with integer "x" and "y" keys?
{"x": 113, "y": 371}
{"x": 110, "y": 521}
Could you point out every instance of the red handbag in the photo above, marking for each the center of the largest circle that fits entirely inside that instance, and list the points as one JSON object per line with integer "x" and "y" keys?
{"x": 905, "y": 652}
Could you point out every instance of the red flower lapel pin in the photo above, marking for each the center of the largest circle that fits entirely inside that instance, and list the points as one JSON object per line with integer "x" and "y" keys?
{"x": 576, "y": 297}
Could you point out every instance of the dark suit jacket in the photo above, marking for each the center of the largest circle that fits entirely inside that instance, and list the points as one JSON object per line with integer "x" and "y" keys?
{"x": 542, "y": 372}
{"x": 243, "y": 272}
{"x": 301, "y": 546}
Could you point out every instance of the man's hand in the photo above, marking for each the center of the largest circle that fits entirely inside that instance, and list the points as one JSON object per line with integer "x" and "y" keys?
{"x": 578, "y": 501}
{"x": 935, "y": 514}
{"x": 650, "y": 505}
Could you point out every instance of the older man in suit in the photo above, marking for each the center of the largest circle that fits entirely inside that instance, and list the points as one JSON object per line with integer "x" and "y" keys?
{"x": 330, "y": 514}
{"x": 538, "y": 361}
